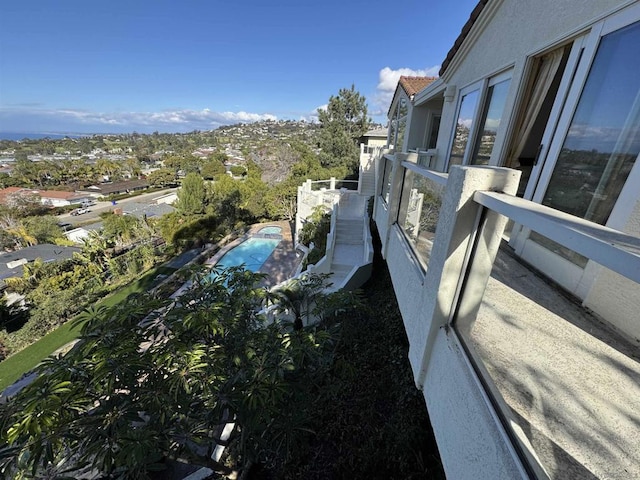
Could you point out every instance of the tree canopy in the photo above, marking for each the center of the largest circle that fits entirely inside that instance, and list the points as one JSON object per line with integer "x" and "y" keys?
{"x": 343, "y": 122}
{"x": 153, "y": 378}
{"x": 191, "y": 195}
{"x": 162, "y": 177}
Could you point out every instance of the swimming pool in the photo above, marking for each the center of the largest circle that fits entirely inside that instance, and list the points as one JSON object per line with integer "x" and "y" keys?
{"x": 271, "y": 229}
{"x": 253, "y": 252}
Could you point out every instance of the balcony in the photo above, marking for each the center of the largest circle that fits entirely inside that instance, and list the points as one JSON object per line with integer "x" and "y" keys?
{"x": 520, "y": 379}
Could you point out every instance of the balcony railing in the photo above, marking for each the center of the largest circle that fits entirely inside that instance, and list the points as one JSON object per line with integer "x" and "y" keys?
{"x": 562, "y": 383}
{"x": 331, "y": 184}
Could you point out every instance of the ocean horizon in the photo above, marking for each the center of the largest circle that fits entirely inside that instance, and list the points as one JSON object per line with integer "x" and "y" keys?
{"x": 37, "y": 136}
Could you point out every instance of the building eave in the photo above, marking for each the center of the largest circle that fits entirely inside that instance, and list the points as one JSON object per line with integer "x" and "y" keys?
{"x": 478, "y": 20}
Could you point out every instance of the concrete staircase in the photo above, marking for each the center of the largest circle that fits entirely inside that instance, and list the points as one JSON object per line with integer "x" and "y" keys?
{"x": 349, "y": 244}
{"x": 349, "y": 231}
{"x": 349, "y": 254}
{"x": 368, "y": 181}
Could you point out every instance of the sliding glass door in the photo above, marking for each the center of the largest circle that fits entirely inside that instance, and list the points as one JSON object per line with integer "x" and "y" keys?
{"x": 594, "y": 146}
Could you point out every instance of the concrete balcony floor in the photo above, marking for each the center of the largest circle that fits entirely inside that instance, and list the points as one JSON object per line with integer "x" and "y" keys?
{"x": 568, "y": 384}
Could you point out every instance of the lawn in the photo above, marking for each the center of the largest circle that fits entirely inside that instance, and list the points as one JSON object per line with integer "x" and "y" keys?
{"x": 15, "y": 366}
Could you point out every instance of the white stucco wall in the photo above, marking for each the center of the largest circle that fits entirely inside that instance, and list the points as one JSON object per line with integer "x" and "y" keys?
{"x": 376, "y": 142}
{"x": 470, "y": 439}
{"x": 471, "y": 442}
{"x": 408, "y": 282}
{"x": 518, "y": 29}
{"x": 615, "y": 298}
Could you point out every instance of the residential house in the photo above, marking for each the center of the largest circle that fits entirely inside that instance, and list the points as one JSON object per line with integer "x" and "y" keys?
{"x": 11, "y": 262}
{"x": 525, "y": 374}
{"x": 56, "y": 198}
{"x": 114, "y": 188}
{"x": 7, "y": 193}
{"x": 374, "y": 138}
{"x": 50, "y": 198}
{"x": 401, "y": 114}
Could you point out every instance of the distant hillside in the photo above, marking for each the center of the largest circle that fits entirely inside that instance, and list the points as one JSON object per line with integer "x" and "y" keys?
{"x": 267, "y": 143}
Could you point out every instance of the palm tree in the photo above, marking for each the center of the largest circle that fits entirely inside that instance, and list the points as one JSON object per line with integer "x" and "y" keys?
{"x": 302, "y": 298}
{"x": 14, "y": 227}
{"x": 96, "y": 250}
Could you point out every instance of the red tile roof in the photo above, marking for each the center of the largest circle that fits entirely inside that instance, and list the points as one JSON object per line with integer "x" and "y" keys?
{"x": 5, "y": 192}
{"x": 57, "y": 194}
{"x": 413, "y": 85}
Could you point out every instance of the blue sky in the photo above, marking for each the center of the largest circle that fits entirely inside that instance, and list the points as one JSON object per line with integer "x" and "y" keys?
{"x": 120, "y": 66}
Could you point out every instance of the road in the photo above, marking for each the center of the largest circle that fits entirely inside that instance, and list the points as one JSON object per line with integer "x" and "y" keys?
{"x": 94, "y": 211}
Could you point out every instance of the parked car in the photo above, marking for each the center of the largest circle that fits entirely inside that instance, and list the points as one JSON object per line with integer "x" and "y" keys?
{"x": 79, "y": 211}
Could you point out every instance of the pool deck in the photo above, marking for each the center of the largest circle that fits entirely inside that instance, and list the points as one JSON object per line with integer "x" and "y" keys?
{"x": 282, "y": 262}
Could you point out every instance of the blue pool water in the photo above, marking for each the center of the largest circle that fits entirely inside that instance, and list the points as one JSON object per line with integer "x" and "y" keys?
{"x": 271, "y": 230}
{"x": 253, "y": 252}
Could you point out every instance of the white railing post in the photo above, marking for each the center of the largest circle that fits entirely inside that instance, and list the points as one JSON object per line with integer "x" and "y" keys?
{"x": 464, "y": 228}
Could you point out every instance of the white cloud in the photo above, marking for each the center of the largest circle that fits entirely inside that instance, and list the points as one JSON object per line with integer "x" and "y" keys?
{"x": 166, "y": 120}
{"x": 388, "y": 80}
{"x": 312, "y": 117}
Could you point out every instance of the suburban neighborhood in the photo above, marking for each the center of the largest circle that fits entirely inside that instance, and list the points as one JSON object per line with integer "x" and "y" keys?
{"x": 452, "y": 294}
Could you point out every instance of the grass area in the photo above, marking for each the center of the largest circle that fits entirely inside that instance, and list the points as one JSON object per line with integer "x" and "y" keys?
{"x": 25, "y": 360}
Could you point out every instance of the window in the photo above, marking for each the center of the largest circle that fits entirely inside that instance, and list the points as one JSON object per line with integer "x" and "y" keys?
{"x": 490, "y": 121}
{"x": 479, "y": 117}
{"x": 432, "y": 139}
{"x": 399, "y": 123}
{"x": 464, "y": 127}
{"x": 386, "y": 180}
{"x": 603, "y": 138}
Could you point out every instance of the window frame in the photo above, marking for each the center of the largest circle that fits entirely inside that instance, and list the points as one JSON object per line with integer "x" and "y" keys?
{"x": 397, "y": 119}
{"x": 482, "y": 86}
{"x": 474, "y": 87}
{"x": 482, "y": 112}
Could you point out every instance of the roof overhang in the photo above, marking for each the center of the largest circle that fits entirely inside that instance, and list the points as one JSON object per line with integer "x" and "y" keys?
{"x": 432, "y": 91}
{"x": 480, "y": 17}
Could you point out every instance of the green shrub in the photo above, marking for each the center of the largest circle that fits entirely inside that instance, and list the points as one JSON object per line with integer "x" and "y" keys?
{"x": 315, "y": 231}
{"x": 238, "y": 170}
